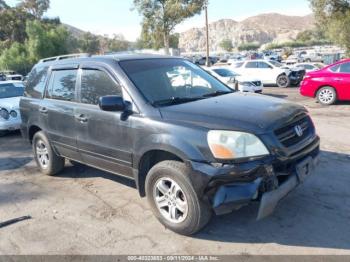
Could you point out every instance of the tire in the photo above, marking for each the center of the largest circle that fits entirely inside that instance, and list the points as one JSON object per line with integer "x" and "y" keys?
{"x": 326, "y": 96}
{"x": 3, "y": 133}
{"x": 283, "y": 81}
{"x": 195, "y": 213}
{"x": 47, "y": 160}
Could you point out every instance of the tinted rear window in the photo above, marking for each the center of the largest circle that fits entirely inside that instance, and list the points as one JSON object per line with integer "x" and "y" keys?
{"x": 36, "y": 82}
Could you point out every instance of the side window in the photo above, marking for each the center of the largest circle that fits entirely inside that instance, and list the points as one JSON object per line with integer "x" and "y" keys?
{"x": 36, "y": 82}
{"x": 62, "y": 85}
{"x": 345, "y": 68}
{"x": 264, "y": 65}
{"x": 96, "y": 83}
{"x": 335, "y": 68}
{"x": 251, "y": 65}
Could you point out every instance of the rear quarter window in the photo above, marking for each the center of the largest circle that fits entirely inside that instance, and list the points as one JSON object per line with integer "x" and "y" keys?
{"x": 36, "y": 82}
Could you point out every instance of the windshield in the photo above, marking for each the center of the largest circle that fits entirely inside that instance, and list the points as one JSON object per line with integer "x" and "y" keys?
{"x": 11, "y": 90}
{"x": 225, "y": 72}
{"x": 170, "y": 81}
{"x": 275, "y": 63}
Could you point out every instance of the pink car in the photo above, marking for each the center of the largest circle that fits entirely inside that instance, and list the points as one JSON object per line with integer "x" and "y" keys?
{"x": 329, "y": 84}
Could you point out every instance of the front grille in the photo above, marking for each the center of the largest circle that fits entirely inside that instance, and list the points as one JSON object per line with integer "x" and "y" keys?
{"x": 257, "y": 83}
{"x": 288, "y": 135}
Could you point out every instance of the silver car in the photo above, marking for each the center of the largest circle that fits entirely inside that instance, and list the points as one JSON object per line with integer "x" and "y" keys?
{"x": 10, "y": 94}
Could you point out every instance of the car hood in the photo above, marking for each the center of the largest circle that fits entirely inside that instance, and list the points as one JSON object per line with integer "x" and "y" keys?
{"x": 11, "y": 103}
{"x": 252, "y": 113}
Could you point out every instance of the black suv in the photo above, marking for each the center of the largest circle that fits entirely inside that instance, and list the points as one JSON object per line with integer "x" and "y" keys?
{"x": 192, "y": 145}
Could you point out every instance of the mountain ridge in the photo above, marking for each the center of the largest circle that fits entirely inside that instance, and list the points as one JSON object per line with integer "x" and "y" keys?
{"x": 263, "y": 28}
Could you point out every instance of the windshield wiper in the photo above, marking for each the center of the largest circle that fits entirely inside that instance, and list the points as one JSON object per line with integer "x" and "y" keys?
{"x": 217, "y": 93}
{"x": 175, "y": 101}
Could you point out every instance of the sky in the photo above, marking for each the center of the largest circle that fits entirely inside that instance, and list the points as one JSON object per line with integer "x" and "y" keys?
{"x": 117, "y": 17}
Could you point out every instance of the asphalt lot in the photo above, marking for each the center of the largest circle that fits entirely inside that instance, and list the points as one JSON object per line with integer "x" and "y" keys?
{"x": 86, "y": 211}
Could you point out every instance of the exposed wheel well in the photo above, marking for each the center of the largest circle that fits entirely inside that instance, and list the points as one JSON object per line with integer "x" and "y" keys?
{"x": 318, "y": 89}
{"x": 32, "y": 131}
{"x": 149, "y": 160}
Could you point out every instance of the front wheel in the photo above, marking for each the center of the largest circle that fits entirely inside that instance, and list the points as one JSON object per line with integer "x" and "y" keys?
{"x": 173, "y": 199}
{"x": 47, "y": 160}
{"x": 283, "y": 81}
{"x": 327, "y": 95}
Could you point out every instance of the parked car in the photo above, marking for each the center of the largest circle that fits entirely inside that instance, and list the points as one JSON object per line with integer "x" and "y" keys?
{"x": 312, "y": 57}
{"x": 192, "y": 150}
{"x": 10, "y": 94}
{"x": 234, "y": 80}
{"x": 309, "y": 67}
{"x": 270, "y": 72}
{"x": 203, "y": 60}
{"x": 329, "y": 84}
{"x": 10, "y": 76}
{"x": 292, "y": 60}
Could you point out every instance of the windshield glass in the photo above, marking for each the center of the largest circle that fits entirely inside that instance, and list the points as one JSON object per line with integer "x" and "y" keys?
{"x": 11, "y": 90}
{"x": 172, "y": 80}
{"x": 225, "y": 72}
{"x": 275, "y": 63}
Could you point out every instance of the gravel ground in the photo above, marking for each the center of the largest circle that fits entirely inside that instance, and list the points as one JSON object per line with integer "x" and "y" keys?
{"x": 86, "y": 211}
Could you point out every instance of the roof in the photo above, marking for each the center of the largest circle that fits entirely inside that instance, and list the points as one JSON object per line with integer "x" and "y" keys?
{"x": 104, "y": 58}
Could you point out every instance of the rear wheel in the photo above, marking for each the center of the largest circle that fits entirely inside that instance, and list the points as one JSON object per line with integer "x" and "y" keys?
{"x": 327, "y": 95}
{"x": 47, "y": 160}
{"x": 173, "y": 199}
{"x": 283, "y": 81}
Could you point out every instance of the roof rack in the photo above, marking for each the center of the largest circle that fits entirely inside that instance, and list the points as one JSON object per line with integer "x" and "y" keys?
{"x": 61, "y": 57}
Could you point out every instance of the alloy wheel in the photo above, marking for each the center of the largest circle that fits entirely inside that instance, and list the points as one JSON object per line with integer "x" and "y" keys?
{"x": 42, "y": 154}
{"x": 326, "y": 96}
{"x": 170, "y": 200}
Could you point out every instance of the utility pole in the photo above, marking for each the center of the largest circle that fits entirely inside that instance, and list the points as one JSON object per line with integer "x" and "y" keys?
{"x": 207, "y": 31}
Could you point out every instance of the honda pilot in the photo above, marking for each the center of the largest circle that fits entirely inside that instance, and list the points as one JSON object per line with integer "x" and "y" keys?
{"x": 193, "y": 146}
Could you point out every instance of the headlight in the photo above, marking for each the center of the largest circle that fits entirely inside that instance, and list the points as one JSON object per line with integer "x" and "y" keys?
{"x": 246, "y": 84}
{"x": 234, "y": 145}
{"x": 4, "y": 114}
{"x": 13, "y": 114}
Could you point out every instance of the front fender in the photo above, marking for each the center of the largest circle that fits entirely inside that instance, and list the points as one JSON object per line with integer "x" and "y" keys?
{"x": 169, "y": 143}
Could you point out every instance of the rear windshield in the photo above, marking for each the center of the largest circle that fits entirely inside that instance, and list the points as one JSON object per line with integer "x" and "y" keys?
{"x": 11, "y": 90}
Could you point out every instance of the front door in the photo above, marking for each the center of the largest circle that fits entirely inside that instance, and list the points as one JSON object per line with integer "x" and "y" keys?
{"x": 104, "y": 138}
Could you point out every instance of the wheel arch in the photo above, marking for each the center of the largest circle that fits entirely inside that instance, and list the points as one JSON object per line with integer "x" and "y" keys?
{"x": 161, "y": 148}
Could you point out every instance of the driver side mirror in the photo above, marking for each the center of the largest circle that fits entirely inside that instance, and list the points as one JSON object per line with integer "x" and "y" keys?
{"x": 112, "y": 103}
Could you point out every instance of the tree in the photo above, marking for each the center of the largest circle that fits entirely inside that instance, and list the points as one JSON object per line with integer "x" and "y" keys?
{"x": 249, "y": 47}
{"x": 89, "y": 43}
{"x": 37, "y": 8}
{"x": 161, "y": 16}
{"x": 333, "y": 16}
{"x": 227, "y": 45}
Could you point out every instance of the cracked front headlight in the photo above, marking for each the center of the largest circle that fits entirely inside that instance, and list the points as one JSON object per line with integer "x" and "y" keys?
{"x": 229, "y": 145}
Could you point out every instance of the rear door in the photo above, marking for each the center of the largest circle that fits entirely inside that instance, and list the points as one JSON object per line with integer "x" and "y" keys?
{"x": 104, "y": 138}
{"x": 57, "y": 110}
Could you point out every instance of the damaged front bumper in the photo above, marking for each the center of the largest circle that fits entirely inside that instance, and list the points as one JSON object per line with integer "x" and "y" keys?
{"x": 253, "y": 181}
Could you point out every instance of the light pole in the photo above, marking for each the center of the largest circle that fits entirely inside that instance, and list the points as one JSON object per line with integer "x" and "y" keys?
{"x": 207, "y": 31}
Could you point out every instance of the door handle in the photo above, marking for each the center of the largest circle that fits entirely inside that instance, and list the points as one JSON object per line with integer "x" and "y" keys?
{"x": 338, "y": 79}
{"x": 43, "y": 110}
{"x": 81, "y": 118}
